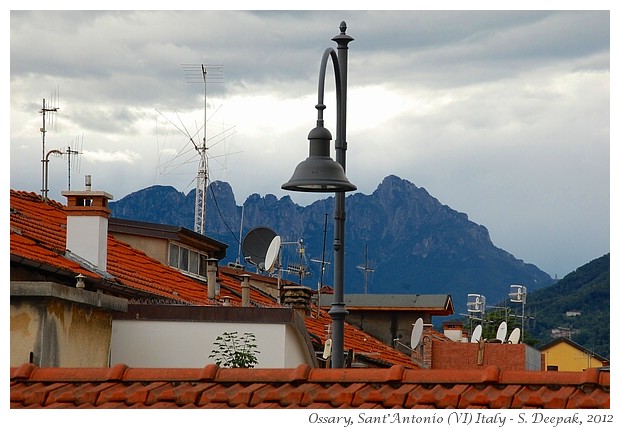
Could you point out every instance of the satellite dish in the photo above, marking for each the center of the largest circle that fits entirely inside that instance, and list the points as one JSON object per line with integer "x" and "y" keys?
{"x": 327, "y": 351}
{"x": 475, "y": 337}
{"x": 501, "y": 332}
{"x": 255, "y": 245}
{"x": 272, "y": 253}
{"x": 514, "y": 336}
{"x": 416, "y": 332}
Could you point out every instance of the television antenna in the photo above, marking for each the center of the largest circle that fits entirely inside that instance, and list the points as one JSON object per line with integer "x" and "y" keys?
{"x": 366, "y": 270}
{"x": 518, "y": 293}
{"x": 176, "y": 159}
{"x": 48, "y": 113}
{"x": 298, "y": 268}
{"x": 73, "y": 153}
{"x": 323, "y": 262}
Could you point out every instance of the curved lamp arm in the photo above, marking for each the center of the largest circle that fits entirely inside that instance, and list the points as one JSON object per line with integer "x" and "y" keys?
{"x": 320, "y": 106}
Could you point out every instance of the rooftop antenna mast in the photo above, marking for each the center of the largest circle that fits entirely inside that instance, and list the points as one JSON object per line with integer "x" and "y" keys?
{"x": 322, "y": 262}
{"x": 366, "y": 270}
{"x": 75, "y": 153}
{"x": 204, "y": 74}
{"x": 47, "y": 111}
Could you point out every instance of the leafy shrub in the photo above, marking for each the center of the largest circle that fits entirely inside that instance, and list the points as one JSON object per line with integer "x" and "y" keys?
{"x": 234, "y": 352}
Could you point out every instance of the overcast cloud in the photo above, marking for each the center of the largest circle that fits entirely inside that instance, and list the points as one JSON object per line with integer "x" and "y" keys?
{"x": 503, "y": 115}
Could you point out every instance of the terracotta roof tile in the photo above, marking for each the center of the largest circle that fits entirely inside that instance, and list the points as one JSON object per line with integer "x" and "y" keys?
{"x": 300, "y": 387}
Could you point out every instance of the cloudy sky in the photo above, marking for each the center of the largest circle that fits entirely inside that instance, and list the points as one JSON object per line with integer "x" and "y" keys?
{"x": 503, "y": 115}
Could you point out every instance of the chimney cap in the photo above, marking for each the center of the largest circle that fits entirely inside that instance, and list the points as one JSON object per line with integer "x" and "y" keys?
{"x": 85, "y": 193}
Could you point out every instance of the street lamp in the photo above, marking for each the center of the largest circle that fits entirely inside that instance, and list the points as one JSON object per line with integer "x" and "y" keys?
{"x": 320, "y": 173}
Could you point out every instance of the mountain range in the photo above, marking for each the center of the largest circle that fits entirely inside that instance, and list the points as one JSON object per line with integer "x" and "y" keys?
{"x": 398, "y": 240}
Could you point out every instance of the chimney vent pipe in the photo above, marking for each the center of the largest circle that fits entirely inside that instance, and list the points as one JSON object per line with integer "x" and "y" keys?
{"x": 245, "y": 290}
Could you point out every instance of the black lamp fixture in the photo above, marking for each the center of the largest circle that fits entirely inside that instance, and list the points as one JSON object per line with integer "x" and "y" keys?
{"x": 320, "y": 173}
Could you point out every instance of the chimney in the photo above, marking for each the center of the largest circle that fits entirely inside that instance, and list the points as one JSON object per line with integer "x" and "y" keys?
{"x": 299, "y": 298}
{"x": 87, "y": 224}
{"x": 245, "y": 290}
{"x": 211, "y": 278}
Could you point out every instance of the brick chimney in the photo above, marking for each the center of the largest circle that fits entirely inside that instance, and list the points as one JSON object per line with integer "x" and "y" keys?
{"x": 87, "y": 224}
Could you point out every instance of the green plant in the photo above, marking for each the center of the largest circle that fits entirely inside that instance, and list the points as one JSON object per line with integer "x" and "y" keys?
{"x": 234, "y": 352}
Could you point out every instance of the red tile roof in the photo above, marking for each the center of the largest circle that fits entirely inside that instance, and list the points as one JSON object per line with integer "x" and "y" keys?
{"x": 305, "y": 387}
{"x": 38, "y": 240}
{"x": 38, "y": 231}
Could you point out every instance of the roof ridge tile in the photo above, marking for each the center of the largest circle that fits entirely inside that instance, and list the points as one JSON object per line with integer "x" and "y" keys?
{"x": 209, "y": 372}
{"x": 23, "y": 371}
{"x": 117, "y": 372}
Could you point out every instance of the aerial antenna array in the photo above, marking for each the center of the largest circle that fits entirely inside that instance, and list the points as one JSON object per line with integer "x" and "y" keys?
{"x": 196, "y": 144}
{"x": 48, "y": 113}
{"x": 476, "y": 306}
{"x": 366, "y": 269}
{"x": 323, "y": 263}
{"x": 518, "y": 294}
{"x": 73, "y": 150}
{"x": 202, "y": 74}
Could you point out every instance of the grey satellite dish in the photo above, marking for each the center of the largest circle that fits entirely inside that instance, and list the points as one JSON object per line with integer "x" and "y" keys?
{"x": 416, "y": 332}
{"x": 272, "y": 253}
{"x": 475, "y": 337}
{"x": 514, "y": 336}
{"x": 501, "y": 332}
{"x": 255, "y": 245}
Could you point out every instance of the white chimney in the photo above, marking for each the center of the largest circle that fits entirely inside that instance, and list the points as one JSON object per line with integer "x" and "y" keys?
{"x": 87, "y": 224}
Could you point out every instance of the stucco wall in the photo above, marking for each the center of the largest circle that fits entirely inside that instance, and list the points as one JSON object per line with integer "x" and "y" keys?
{"x": 188, "y": 344}
{"x": 59, "y": 334}
{"x": 156, "y": 248}
{"x": 60, "y": 326}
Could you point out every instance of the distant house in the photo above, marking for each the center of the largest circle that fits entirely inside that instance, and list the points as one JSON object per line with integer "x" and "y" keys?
{"x": 390, "y": 317}
{"x": 563, "y": 354}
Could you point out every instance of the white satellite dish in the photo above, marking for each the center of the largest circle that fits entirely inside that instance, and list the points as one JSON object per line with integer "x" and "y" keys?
{"x": 272, "y": 253}
{"x": 475, "y": 337}
{"x": 501, "y": 332}
{"x": 416, "y": 332}
{"x": 514, "y": 336}
{"x": 327, "y": 350}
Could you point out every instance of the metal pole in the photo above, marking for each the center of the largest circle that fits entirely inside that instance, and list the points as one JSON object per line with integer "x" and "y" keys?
{"x": 338, "y": 311}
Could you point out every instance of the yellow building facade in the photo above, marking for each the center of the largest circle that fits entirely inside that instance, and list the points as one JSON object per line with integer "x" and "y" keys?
{"x": 563, "y": 354}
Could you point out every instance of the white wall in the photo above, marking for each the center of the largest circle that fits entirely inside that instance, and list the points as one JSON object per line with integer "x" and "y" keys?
{"x": 188, "y": 344}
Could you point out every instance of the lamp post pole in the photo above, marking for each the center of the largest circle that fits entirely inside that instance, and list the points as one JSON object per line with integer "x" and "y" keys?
{"x": 320, "y": 173}
{"x": 338, "y": 311}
